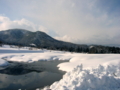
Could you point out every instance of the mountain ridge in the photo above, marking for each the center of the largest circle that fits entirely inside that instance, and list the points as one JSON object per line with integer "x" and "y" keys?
{"x": 25, "y": 37}
{"x": 40, "y": 39}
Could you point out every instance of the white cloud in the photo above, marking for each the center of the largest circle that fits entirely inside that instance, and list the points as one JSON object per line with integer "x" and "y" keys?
{"x": 43, "y": 29}
{"x": 6, "y": 23}
{"x": 3, "y": 18}
{"x": 65, "y": 38}
{"x": 81, "y": 21}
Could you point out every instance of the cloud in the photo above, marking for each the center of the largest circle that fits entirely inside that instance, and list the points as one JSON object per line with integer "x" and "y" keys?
{"x": 66, "y": 38}
{"x": 73, "y": 4}
{"x": 6, "y": 23}
{"x": 43, "y": 29}
{"x": 79, "y": 21}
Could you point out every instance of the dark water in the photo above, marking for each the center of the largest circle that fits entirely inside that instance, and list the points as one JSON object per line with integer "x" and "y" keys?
{"x": 29, "y": 76}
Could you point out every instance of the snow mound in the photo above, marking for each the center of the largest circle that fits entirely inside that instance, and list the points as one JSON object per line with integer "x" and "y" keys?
{"x": 103, "y": 77}
{"x": 89, "y": 61}
{"x": 3, "y": 63}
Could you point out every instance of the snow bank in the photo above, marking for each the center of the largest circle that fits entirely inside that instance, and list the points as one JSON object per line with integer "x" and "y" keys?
{"x": 89, "y": 60}
{"x": 3, "y": 62}
{"x": 103, "y": 77}
{"x": 24, "y": 55}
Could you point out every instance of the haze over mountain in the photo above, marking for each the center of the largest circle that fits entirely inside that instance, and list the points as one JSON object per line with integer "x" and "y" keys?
{"x": 40, "y": 39}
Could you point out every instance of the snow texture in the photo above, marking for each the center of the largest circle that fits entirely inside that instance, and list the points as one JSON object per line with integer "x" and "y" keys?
{"x": 3, "y": 62}
{"x": 103, "y": 77}
{"x": 89, "y": 60}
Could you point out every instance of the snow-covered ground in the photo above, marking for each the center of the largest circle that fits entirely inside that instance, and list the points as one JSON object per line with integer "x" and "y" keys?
{"x": 84, "y": 71}
{"x": 106, "y": 77}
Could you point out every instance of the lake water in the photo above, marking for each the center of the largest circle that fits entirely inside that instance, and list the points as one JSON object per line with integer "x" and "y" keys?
{"x": 29, "y": 76}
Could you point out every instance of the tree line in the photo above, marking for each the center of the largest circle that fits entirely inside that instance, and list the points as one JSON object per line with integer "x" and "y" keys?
{"x": 97, "y": 49}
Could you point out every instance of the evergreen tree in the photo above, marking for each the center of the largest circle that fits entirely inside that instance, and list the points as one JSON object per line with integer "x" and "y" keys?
{"x": 1, "y": 43}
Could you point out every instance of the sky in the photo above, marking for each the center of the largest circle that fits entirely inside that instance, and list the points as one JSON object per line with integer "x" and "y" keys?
{"x": 77, "y": 21}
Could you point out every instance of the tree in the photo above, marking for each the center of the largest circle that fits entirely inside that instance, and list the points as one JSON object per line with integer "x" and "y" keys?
{"x": 71, "y": 49}
{"x": 1, "y": 43}
{"x": 78, "y": 49}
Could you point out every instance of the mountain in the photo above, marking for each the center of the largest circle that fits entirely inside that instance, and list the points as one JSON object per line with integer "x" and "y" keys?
{"x": 42, "y": 40}
{"x": 38, "y": 38}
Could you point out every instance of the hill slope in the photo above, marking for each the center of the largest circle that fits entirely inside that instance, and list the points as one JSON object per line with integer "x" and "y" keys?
{"x": 40, "y": 39}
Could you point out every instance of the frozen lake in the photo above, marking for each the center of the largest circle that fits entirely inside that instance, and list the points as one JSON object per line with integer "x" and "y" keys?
{"x": 29, "y": 76}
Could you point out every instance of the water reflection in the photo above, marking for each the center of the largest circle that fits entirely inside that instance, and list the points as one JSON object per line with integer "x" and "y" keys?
{"x": 29, "y": 76}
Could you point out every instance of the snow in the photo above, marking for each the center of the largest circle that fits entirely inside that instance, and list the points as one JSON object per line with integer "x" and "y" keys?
{"x": 89, "y": 60}
{"x": 32, "y": 44}
{"x": 103, "y": 77}
{"x": 84, "y": 71}
{"x": 3, "y": 62}
{"x": 26, "y": 55}
{"x": 91, "y": 46}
